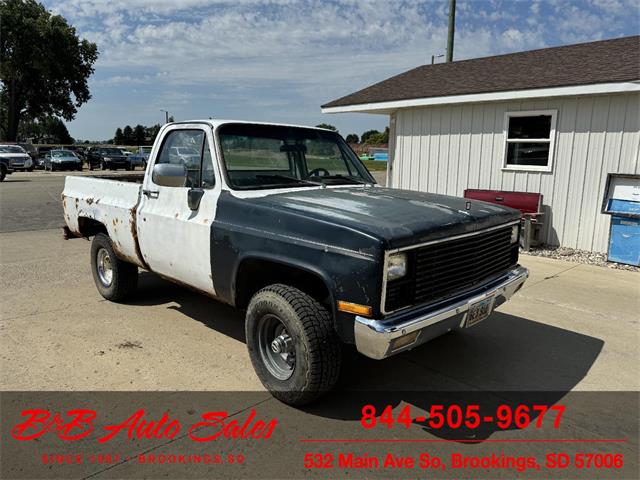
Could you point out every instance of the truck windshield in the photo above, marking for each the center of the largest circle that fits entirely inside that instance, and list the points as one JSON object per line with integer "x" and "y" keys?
{"x": 269, "y": 156}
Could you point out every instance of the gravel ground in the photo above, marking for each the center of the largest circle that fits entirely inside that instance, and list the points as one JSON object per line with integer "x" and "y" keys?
{"x": 578, "y": 256}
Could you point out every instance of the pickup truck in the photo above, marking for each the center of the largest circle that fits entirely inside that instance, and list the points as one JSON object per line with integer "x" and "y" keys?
{"x": 140, "y": 157}
{"x": 286, "y": 223}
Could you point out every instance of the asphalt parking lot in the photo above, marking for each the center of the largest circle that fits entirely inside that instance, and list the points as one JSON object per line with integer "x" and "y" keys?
{"x": 571, "y": 327}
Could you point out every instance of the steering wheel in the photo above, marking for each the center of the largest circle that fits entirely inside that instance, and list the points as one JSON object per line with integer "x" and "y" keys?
{"x": 316, "y": 171}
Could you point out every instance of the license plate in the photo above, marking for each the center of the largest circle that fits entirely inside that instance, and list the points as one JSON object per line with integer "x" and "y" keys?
{"x": 479, "y": 311}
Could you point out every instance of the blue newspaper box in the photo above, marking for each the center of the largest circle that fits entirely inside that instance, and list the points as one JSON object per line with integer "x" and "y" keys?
{"x": 622, "y": 202}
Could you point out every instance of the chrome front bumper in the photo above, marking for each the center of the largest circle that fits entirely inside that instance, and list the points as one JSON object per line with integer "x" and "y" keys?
{"x": 377, "y": 338}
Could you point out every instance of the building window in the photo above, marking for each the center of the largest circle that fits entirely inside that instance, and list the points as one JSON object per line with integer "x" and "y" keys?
{"x": 529, "y": 140}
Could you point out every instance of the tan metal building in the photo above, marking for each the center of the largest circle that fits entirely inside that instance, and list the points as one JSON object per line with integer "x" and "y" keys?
{"x": 554, "y": 121}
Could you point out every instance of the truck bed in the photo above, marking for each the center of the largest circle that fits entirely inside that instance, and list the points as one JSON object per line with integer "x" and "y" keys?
{"x": 110, "y": 201}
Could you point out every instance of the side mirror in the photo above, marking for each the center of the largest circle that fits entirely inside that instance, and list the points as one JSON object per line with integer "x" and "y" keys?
{"x": 169, "y": 175}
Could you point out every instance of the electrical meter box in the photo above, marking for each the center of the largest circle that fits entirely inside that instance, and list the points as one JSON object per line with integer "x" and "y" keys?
{"x": 622, "y": 201}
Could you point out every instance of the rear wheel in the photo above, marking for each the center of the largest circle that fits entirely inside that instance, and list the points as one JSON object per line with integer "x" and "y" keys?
{"x": 115, "y": 279}
{"x": 292, "y": 344}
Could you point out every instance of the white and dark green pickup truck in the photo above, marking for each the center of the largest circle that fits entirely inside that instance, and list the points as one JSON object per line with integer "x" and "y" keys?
{"x": 286, "y": 223}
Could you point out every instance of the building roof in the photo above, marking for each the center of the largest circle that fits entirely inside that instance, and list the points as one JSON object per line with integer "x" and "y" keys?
{"x": 605, "y": 61}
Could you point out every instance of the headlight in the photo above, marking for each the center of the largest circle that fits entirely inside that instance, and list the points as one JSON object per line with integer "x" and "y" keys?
{"x": 396, "y": 266}
{"x": 514, "y": 233}
{"x": 107, "y": 159}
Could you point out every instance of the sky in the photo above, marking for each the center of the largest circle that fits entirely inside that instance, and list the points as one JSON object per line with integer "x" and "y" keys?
{"x": 279, "y": 60}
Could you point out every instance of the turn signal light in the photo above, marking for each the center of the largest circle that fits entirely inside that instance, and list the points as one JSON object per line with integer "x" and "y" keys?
{"x": 405, "y": 340}
{"x": 349, "y": 307}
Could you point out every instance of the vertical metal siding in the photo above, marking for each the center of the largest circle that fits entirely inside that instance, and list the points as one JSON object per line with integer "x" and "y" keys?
{"x": 446, "y": 149}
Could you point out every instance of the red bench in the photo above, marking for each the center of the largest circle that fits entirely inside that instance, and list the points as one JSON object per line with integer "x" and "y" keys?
{"x": 529, "y": 204}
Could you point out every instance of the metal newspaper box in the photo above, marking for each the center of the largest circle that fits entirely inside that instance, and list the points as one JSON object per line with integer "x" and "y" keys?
{"x": 622, "y": 201}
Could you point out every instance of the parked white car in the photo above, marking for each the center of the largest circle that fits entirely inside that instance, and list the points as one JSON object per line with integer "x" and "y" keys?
{"x": 16, "y": 158}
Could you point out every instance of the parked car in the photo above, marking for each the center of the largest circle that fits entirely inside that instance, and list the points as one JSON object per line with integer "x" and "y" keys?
{"x": 32, "y": 151}
{"x": 5, "y": 167}
{"x": 107, "y": 158}
{"x": 141, "y": 157}
{"x": 286, "y": 223}
{"x": 42, "y": 151}
{"x": 16, "y": 158}
{"x": 62, "y": 160}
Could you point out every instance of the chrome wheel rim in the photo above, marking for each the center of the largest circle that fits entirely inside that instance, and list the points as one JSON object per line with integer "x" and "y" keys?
{"x": 276, "y": 347}
{"x": 105, "y": 269}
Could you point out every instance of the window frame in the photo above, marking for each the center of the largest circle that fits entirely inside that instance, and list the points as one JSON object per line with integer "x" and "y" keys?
{"x": 551, "y": 140}
{"x": 224, "y": 173}
{"x": 204, "y": 143}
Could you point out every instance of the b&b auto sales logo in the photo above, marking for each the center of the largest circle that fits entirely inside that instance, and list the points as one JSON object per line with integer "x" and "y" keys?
{"x": 79, "y": 424}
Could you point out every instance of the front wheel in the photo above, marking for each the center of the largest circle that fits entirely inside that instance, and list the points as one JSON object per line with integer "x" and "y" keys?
{"x": 3, "y": 173}
{"x": 292, "y": 344}
{"x": 115, "y": 279}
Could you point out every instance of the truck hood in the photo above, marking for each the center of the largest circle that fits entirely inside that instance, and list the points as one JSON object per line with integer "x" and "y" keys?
{"x": 397, "y": 217}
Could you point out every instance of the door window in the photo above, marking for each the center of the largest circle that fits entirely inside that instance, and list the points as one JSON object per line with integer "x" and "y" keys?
{"x": 191, "y": 149}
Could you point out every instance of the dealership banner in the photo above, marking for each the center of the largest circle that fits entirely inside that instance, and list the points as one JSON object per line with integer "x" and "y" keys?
{"x": 344, "y": 435}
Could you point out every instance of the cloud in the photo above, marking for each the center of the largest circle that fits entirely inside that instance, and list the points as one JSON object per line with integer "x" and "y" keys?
{"x": 257, "y": 55}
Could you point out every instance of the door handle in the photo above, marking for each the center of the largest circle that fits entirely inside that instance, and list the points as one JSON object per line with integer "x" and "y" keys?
{"x": 151, "y": 193}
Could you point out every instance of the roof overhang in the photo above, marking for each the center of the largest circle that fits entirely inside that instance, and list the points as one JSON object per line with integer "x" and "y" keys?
{"x": 389, "y": 107}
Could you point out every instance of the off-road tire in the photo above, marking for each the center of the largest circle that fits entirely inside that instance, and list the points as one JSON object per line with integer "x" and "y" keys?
{"x": 124, "y": 277}
{"x": 318, "y": 353}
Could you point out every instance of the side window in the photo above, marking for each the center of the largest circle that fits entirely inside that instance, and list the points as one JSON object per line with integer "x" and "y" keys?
{"x": 189, "y": 148}
{"x": 208, "y": 178}
{"x": 529, "y": 138}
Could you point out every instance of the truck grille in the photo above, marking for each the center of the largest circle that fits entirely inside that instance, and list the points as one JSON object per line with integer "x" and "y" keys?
{"x": 450, "y": 267}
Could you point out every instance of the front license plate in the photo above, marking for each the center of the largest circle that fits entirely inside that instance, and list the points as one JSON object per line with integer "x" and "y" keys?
{"x": 479, "y": 311}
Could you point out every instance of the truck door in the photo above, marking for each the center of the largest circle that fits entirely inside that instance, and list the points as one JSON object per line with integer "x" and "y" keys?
{"x": 175, "y": 214}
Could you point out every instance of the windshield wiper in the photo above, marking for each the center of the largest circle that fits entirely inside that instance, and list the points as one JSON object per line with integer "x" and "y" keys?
{"x": 348, "y": 179}
{"x": 292, "y": 179}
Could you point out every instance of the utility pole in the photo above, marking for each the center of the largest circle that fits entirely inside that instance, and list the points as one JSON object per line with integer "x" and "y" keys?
{"x": 452, "y": 29}
{"x": 166, "y": 116}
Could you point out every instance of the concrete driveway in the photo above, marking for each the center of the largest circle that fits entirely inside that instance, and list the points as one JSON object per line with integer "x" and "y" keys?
{"x": 571, "y": 327}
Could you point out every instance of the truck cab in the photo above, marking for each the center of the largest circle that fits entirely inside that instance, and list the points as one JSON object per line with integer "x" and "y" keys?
{"x": 286, "y": 223}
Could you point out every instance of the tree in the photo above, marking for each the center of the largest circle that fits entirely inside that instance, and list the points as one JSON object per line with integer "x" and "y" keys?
{"x": 58, "y": 130}
{"x": 352, "y": 138}
{"x": 127, "y": 135}
{"x": 375, "y": 137}
{"x": 118, "y": 138}
{"x": 44, "y": 65}
{"x": 45, "y": 129}
{"x": 152, "y": 132}
{"x": 138, "y": 135}
{"x": 327, "y": 126}
{"x": 364, "y": 138}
